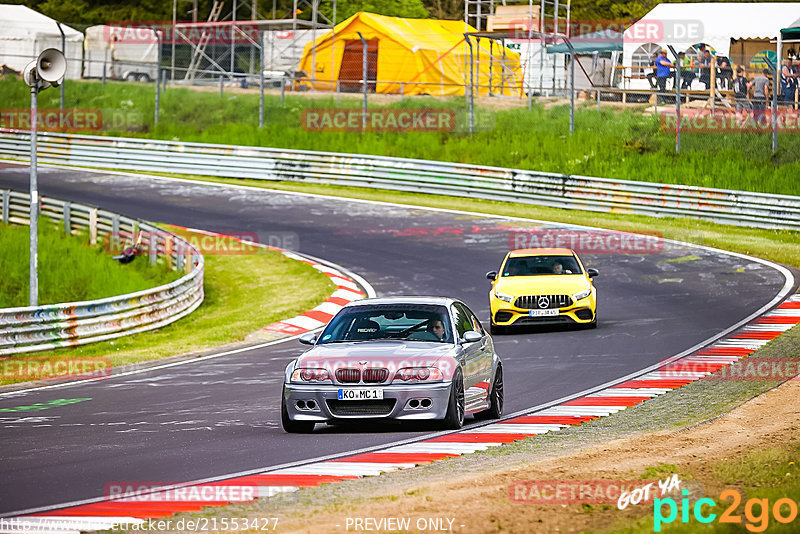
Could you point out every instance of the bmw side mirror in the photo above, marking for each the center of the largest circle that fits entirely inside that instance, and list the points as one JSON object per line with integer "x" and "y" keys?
{"x": 472, "y": 337}
{"x": 491, "y": 275}
{"x": 592, "y": 272}
{"x": 308, "y": 339}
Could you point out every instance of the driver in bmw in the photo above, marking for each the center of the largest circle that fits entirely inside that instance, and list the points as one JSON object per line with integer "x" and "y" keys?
{"x": 436, "y": 327}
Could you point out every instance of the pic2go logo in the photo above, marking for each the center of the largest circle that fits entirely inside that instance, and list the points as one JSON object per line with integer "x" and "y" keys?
{"x": 756, "y": 511}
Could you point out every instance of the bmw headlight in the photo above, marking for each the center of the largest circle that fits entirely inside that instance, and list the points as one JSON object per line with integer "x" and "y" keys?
{"x": 503, "y": 296}
{"x": 310, "y": 375}
{"x": 582, "y": 294}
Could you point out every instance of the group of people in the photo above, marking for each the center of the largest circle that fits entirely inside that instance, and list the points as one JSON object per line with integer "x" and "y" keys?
{"x": 702, "y": 64}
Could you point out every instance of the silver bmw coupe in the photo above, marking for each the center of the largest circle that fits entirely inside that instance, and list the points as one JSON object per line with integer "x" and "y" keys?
{"x": 400, "y": 358}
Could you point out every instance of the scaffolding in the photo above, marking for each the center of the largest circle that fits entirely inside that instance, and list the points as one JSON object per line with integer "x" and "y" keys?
{"x": 242, "y": 43}
{"x": 529, "y": 28}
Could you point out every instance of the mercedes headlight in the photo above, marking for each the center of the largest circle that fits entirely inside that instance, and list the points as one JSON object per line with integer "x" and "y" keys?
{"x": 582, "y": 294}
{"x": 503, "y": 296}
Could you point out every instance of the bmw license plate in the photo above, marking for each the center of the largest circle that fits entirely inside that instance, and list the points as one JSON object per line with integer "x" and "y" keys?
{"x": 360, "y": 394}
{"x": 543, "y": 313}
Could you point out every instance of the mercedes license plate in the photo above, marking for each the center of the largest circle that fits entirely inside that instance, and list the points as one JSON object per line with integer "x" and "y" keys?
{"x": 543, "y": 313}
{"x": 360, "y": 394}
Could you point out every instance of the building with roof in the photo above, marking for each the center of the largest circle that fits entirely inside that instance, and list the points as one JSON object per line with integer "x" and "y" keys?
{"x": 25, "y": 33}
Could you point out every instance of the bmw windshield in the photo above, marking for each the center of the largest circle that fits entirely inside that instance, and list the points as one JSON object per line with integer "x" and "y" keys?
{"x": 413, "y": 322}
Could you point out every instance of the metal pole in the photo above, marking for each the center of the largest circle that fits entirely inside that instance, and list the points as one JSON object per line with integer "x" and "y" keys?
{"x": 233, "y": 40}
{"x": 261, "y": 80}
{"x": 34, "y": 206}
{"x": 283, "y": 89}
{"x": 220, "y": 85}
{"x": 158, "y": 76}
{"x": 470, "y": 102}
{"x": 775, "y": 83}
{"x": 363, "y": 81}
{"x": 174, "y": 22}
{"x": 677, "y": 100}
{"x": 63, "y": 51}
{"x": 571, "y": 85}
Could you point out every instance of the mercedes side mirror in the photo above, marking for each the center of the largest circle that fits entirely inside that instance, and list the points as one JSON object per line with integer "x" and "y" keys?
{"x": 491, "y": 275}
{"x": 592, "y": 272}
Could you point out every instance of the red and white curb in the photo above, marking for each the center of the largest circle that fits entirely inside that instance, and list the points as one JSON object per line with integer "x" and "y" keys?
{"x": 347, "y": 290}
{"x": 728, "y": 350}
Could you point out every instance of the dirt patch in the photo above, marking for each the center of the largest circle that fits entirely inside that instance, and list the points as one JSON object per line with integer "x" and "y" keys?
{"x": 481, "y": 503}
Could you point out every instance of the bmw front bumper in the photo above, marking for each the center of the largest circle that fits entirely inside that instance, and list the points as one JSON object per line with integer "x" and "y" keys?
{"x": 319, "y": 403}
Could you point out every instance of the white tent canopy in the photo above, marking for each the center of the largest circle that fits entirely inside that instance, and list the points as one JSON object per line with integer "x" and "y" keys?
{"x": 25, "y": 33}
{"x": 685, "y": 25}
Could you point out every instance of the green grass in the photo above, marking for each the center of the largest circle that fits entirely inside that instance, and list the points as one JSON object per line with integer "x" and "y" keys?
{"x": 69, "y": 269}
{"x": 243, "y": 293}
{"x": 625, "y": 145}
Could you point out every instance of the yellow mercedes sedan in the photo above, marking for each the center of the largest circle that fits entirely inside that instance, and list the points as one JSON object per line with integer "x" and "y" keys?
{"x": 538, "y": 286}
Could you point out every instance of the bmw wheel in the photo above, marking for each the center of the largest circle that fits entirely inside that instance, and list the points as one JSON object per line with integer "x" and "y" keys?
{"x": 454, "y": 419}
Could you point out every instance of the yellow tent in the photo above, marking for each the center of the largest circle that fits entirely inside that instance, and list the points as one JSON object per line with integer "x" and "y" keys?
{"x": 415, "y": 56}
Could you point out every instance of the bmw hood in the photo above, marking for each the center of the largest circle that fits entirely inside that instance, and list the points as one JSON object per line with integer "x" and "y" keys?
{"x": 389, "y": 354}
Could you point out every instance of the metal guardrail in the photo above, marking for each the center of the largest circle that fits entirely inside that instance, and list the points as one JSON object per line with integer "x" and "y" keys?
{"x": 422, "y": 176}
{"x": 37, "y": 328}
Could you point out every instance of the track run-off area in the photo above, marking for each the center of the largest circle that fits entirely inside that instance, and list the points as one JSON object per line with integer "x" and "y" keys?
{"x": 215, "y": 417}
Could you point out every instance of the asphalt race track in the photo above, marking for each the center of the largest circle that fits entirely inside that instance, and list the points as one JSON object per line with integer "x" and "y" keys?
{"x": 220, "y": 416}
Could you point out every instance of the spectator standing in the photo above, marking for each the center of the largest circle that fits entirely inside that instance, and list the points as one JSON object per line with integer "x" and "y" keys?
{"x": 760, "y": 95}
{"x": 687, "y": 74}
{"x": 788, "y": 82}
{"x": 706, "y": 64}
{"x": 740, "y": 89}
{"x": 663, "y": 70}
{"x": 652, "y": 74}
{"x": 725, "y": 72}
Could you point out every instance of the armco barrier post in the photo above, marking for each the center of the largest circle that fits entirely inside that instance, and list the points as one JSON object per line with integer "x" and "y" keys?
{"x": 93, "y": 226}
{"x": 6, "y": 198}
{"x": 153, "y": 248}
{"x": 67, "y": 217}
